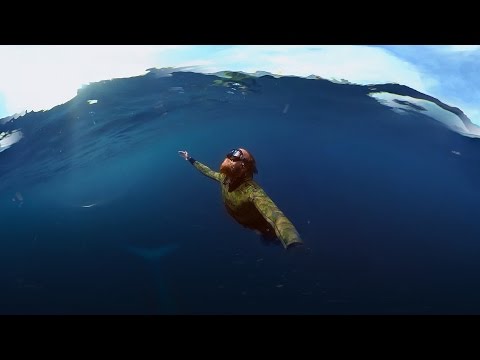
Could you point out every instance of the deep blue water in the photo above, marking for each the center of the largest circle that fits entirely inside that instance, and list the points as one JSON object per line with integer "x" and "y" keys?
{"x": 387, "y": 211}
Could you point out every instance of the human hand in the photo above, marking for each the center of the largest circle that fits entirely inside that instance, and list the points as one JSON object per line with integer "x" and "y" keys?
{"x": 184, "y": 154}
{"x": 297, "y": 248}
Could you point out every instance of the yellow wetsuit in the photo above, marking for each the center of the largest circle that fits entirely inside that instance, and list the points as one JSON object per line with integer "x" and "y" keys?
{"x": 251, "y": 206}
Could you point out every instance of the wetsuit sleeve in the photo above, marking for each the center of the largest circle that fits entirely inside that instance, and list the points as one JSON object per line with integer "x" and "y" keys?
{"x": 205, "y": 170}
{"x": 284, "y": 229}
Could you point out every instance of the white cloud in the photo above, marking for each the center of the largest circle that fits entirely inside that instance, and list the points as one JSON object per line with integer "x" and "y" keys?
{"x": 463, "y": 47}
{"x": 40, "y": 77}
{"x": 447, "y": 72}
{"x": 358, "y": 64}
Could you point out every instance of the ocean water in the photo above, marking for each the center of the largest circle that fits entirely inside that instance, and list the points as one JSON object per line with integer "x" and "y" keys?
{"x": 100, "y": 215}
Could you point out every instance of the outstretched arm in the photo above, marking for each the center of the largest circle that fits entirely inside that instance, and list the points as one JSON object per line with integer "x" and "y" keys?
{"x": 205, "y": 170}
{"x": 284, "y": 229}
